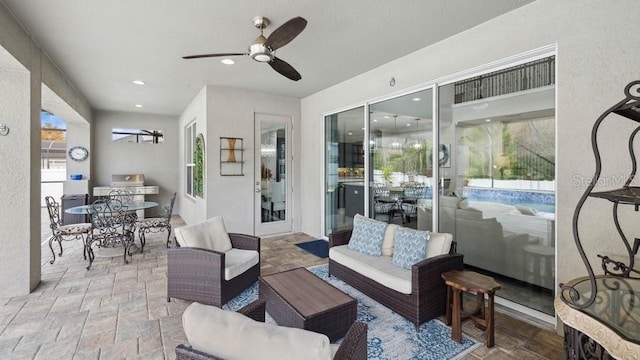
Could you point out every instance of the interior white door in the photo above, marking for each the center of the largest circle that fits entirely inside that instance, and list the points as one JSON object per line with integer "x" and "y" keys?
{"x": 272, "y": 174}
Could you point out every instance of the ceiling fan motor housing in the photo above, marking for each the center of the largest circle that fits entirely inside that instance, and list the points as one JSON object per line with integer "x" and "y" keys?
{"x": 259, "y": 52}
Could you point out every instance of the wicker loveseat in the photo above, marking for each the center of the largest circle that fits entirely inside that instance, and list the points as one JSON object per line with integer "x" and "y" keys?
{"x": 214, "y": 333}
{"x": 422, "y": 298}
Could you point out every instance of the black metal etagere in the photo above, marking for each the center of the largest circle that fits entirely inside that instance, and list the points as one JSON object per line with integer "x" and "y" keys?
{"x": 628, "y": 108}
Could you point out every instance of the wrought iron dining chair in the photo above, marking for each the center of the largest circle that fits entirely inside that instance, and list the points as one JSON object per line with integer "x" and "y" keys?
{"x": 157, "y": 224}
{"x": 112, "y": 224}
{"x": 383, "y": 204}
{"x": 62, "y": 232}
{"x": 124, "y": 195}
{"x": 412, "y": 195}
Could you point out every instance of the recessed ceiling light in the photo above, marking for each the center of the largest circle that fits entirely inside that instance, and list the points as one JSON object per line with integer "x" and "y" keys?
{"x": 488, "y": 120}
{"x": 350, "y": 133}
{"x": 227, "y": 61}
{"x": 408, "y": 124}
{"x": 416, "y": 99}
{"x": 375, "y": 120}
{"x": 387, "y": 117}
{"x": 139, "y": 82}
{"x": 138, "y": 105}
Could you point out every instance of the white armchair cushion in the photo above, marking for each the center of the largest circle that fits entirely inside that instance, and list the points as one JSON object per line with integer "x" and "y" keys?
{"x": 237, "y": 261}
{"x": 210, "y": 234}
{"x": 230, "y": 335}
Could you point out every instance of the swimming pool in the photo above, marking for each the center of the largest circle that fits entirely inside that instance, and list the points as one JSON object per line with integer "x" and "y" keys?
{"x": 543, "y": 201}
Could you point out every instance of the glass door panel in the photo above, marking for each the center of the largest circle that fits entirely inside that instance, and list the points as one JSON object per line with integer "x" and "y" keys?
{"x": 497, "y": 171}
{"x": 344, "y": 169}
{"x": 273, "y": 185}
{"x": 400, "y": 143}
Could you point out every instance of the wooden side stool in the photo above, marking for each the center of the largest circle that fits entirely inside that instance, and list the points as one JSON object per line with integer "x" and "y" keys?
{"x": 458, "y": 281}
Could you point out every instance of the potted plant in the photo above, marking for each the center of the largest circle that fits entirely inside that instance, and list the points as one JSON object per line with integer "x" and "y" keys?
{"x": 387, "y": 173}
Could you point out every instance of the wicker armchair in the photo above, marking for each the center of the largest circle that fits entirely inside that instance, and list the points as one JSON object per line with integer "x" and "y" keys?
{"x": 198, "y": 274}
{"x": 353, "y": 346}
{"x": 428, "y": 297}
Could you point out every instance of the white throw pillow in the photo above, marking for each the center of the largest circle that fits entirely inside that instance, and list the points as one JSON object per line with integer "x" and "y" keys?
{"x": 230, "y": 335}
{"x": 210, "y": 234}
{"x": 389, "y": 239}
{"x": 439, "y": 244}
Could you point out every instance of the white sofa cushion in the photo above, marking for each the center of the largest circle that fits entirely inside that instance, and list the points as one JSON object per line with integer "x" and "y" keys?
{"x": 210, "y": 234}
{"x": 230, "y": 335}
{"x": 377, "y": 268}
{"x": 237, "y": 261}
{"x": 438, "y": 244}
{"x": 389, "y": 239}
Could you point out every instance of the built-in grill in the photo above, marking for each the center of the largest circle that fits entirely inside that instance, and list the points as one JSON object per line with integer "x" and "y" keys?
{"x": 133, "y": 183}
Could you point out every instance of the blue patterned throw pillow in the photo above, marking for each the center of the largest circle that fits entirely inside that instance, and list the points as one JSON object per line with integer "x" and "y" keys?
{"x": 367, "y": 235}
{"x": 410, "y": 247}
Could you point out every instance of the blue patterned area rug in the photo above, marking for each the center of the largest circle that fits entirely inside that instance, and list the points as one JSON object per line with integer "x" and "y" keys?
{"x": 319, "y": 248}
{"x": 390, "y": 336}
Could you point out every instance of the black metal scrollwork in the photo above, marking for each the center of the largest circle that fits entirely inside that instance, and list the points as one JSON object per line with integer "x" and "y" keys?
{"x": 629, "y": 107}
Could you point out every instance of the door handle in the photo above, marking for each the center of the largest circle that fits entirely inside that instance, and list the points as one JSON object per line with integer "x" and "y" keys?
{"x": 257, "y": 190}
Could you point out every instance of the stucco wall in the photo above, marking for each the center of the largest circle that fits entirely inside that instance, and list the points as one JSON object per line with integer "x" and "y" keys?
{"x": 192, "y": 209}
{"x": 596, "y": 58}
{"x": 20, "y": 193}
{"x": 158, "y": 162}
{"x": 15, "y": 184}
{"x": 229, "y": 112}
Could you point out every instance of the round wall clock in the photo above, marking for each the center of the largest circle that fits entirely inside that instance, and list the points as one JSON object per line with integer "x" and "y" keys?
{"x": 78, "y": 153}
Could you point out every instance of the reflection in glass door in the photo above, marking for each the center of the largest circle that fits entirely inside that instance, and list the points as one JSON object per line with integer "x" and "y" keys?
{"x": 400, "y": 149}
{"x": 497, "y": 167}
{"x": 344, "y": 169}
{"x": 273, "y": 184}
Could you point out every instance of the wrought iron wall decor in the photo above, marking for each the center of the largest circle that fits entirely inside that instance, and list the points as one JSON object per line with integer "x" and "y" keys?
{"x": 628, "y": 108}
{"x": 231, "y": 156}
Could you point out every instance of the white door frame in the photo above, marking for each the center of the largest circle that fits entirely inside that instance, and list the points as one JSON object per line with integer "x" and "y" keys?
{"x": 282, "y": 226}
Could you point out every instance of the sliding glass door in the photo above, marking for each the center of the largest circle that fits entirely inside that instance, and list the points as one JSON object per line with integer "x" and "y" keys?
{"x": 400, "y": 150}
{"x": 480, "y": 165}
{"x": 344, "y": 168}
{"x": 497, "y": 164}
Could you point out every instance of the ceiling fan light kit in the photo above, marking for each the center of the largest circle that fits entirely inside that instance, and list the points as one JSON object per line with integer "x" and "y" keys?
{"x": 263, "y": 49}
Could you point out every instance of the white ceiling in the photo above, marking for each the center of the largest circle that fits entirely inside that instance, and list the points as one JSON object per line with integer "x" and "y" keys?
{"x": 103, "y": 45}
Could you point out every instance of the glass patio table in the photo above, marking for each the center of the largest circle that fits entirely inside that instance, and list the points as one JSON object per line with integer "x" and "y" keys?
{"x": 131, "y": 206}
{"x": 104, "y": 250}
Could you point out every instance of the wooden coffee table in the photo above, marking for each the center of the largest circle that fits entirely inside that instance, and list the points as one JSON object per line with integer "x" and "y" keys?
{"x": 298, "y": 298}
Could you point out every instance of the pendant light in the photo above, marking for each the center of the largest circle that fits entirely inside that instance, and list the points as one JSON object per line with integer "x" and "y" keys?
{"x": 395, "y": 144}
{"x": 417, "y": 144}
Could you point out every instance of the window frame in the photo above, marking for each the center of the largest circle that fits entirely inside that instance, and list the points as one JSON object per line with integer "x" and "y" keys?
{"x": 190, "y": 132}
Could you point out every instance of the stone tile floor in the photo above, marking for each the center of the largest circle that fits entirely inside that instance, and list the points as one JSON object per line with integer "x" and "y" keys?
{"x": 117, "y": 310}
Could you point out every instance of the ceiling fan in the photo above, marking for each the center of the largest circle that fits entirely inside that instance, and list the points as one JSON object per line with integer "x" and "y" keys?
{"x": 263, "y": 49}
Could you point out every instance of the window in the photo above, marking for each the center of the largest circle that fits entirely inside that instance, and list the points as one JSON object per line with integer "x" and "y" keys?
{"x": 190, "y": 143}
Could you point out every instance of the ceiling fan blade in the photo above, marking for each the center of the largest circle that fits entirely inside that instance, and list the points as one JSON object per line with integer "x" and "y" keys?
{"x": 212, "y": 55}
{"x": 285, "y": 33}
{"x": 285, "y": 69}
